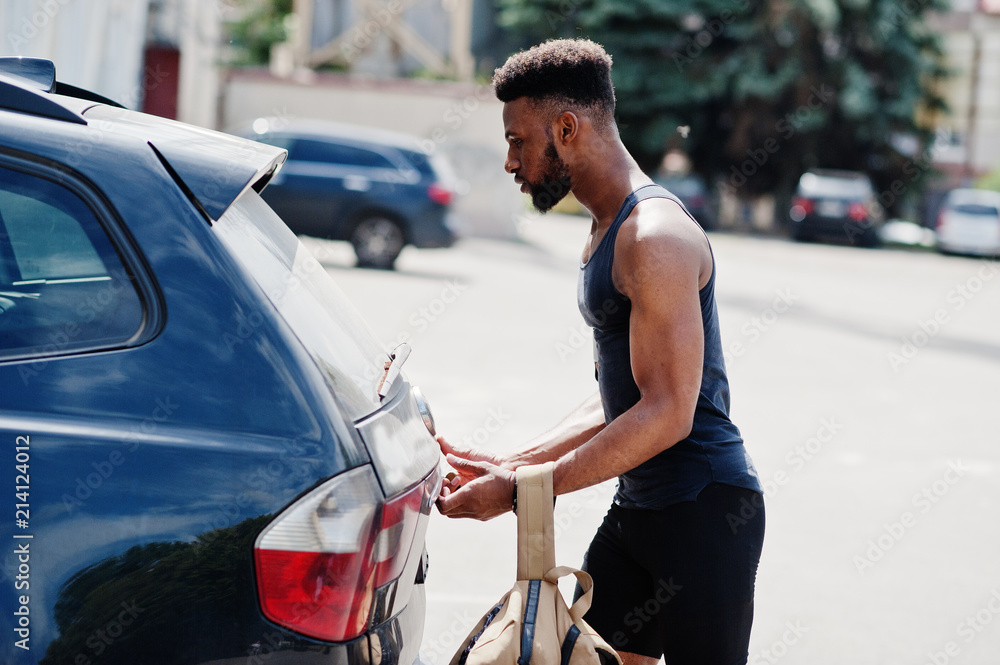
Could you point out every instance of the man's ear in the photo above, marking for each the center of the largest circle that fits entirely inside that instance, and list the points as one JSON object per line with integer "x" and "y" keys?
{"x": 567, "y": 127}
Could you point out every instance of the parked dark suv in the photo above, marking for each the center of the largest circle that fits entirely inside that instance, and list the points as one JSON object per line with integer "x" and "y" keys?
{"x": 379, "y": 190}
{"x": 208, "y": 456}
{"x": 839, "y": 206}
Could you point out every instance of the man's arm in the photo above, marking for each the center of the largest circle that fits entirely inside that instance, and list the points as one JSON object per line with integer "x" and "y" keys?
{"x": 659, "y": 257}
{"x": 574, "y": 430}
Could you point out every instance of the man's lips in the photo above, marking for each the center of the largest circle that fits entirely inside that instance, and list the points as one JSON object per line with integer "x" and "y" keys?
{"x": 520, "y": 181}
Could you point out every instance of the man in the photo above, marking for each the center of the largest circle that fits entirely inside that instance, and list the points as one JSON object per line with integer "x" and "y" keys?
{"x": 675, "y": 560}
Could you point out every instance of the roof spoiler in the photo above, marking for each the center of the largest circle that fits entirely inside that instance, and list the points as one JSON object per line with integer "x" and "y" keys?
{"x": 211, "y": 190}
{"x": 212, "y": 169}
{"x": 27, "y": 83}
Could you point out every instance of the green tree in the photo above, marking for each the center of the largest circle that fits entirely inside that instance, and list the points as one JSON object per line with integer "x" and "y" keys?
{"x": 263, "y": 23}
{"x": 768, "y": 88}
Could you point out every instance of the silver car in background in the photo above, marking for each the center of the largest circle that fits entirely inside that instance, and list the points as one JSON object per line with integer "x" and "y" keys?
{"x": 969, "y": 222}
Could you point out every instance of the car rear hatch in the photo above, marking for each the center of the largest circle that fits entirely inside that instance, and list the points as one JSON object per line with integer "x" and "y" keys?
{"x": 345, "y": 557}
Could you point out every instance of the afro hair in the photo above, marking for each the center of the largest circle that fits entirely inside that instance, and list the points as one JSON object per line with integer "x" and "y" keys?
{"x": 574, "y": 71}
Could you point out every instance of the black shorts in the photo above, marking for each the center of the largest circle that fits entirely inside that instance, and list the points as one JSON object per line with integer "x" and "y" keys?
{"x": 679, "y": 582}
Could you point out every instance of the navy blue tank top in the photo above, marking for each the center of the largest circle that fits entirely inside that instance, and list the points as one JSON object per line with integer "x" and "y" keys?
{"x": 713, "y": 451}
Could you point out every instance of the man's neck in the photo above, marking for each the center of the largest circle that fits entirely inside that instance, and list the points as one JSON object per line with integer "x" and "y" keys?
{"x": 602, "y": 184}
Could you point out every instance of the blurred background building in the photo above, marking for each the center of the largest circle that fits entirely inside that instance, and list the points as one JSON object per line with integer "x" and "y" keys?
{"x": 422, "y": 67}
{"x": 970, "y": 132}
{"x": 160, "y": 56}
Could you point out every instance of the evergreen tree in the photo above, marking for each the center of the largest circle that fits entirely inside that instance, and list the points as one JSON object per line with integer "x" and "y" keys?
{"x": 768, "y": 88}
{"x": 262, "y": 24}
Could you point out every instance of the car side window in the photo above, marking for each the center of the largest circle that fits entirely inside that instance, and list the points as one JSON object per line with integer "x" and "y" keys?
{"x": 308, "y": 150}
{"x": 63, "y": 287}
{"x": 277, "y": 141}
{"x": 422, "y": 163}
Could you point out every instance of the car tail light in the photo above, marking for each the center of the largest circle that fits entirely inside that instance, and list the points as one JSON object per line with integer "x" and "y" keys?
{"x": 439, "y": 194}
{"x": 398, "y": 524}
{"x": 857, "y": 211}
{"x": 801, "y": 207}
{"x": 319, "y": 562}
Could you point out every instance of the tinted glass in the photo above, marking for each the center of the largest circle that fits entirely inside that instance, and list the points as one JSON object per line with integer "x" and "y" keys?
{"x": 833, "y": 187}
{"x": 62, "y": 285}
{"x": 276, "y": 141}
{"x": 421, "y": 162}
{"x": 348, "y": 354}
{"x": 976, "y": 209}
{"x": 308, "y": 150}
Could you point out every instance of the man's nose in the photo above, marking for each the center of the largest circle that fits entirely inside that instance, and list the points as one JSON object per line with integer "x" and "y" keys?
{"x": 510, "y": 164}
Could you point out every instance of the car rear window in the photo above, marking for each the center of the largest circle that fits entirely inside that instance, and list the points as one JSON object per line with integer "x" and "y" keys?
{"x": 308, "y": 150}
{"x": 812, "y": 184}
{"x": 976, "y": 209}
{"x": 344, "y": 348}
{"x": 63, "y": 286}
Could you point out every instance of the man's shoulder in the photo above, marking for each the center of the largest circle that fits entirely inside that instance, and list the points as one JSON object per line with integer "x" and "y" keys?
{"x": 661, "y": 224}
{"x": 660, "y": 238}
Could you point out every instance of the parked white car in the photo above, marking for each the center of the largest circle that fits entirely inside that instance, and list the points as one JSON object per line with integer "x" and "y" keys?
{"x": 969, "y": 222}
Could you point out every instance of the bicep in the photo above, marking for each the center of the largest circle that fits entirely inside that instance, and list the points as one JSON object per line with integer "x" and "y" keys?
{"x": 666, "y": 333}
{"x": 667, "y": 346}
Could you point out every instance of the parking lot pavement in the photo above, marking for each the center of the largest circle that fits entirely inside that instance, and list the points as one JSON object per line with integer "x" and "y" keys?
{"x": 865, "y": 386}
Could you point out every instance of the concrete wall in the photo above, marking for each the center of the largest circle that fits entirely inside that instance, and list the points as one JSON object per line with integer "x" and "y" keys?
{"x": 95, "y": 44}
{"x": 99, "y": 45}
{"x": 462, "y": 121}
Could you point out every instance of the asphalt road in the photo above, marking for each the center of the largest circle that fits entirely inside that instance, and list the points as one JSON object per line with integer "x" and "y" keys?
{"x": 863, "y": 382}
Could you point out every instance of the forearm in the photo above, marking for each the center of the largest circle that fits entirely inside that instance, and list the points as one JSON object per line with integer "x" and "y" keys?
{"x": 634, "y": 437}
{"x": 575, "y": 430}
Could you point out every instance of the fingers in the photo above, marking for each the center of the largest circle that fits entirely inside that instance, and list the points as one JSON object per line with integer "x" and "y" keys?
{"x": 468, "y": 469}
{"x": 465, "y": 453}
{"x": 451, "y": 483}
{"x": 462, "y": 464}
{"x": 483, "y": 496}
{"x": 446, "y": 447}
{"x": 462, "y": 504}
{"x": 446, "y": 503}
{"x": 456, "y": 457}
{"x": 455, "y": 503}
{"x": 468, "y": 453}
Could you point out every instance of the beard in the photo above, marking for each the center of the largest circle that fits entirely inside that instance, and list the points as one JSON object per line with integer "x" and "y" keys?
{"x": 555, "y": 184}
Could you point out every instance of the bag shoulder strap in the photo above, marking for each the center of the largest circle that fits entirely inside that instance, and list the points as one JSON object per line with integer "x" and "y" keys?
{"x": 536, "y": 551}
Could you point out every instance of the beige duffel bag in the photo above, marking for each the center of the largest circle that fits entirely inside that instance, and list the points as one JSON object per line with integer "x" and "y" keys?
{"x": 532, "y": 624}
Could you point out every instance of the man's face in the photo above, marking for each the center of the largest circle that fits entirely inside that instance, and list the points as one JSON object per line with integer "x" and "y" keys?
{"x": 532, "y": 156}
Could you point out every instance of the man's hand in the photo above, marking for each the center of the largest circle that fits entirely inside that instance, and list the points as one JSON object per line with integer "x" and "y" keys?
{"x": 473, "y": 454}
{"x": 484, "y": 491}
{"x": 455, "y": 480}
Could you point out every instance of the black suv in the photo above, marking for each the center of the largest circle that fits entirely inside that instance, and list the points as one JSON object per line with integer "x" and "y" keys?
{"x": 837, "y": 205}
{"x": 208, "y": 455}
